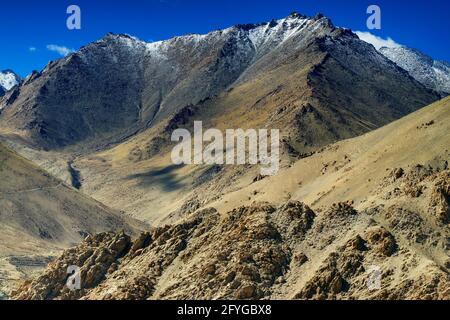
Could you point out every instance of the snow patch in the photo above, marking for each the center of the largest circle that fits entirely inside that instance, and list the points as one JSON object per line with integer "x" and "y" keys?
{"x": 8, "y": 80}
{"x": 376, "y": 41}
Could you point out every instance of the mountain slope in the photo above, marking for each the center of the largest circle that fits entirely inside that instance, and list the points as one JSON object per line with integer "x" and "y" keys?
{"x": 377, "y": 201}
{"x": 319, "y": 90}
{"x": 317, "y": 83}
{"x": 118, "y": 86}
{"x": 40, "y": 216}
{"x": 431, "y": 73}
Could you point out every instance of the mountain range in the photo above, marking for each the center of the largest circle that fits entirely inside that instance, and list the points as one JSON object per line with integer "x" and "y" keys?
{"x": 363, "y": 178}
{"x": 119, "y": 86}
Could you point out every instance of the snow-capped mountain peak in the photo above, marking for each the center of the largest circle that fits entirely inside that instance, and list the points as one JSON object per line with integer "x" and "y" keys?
{"x": 272, "y": 33}
{"x": 432, "y": 74}
{"x": 8, "y": 79}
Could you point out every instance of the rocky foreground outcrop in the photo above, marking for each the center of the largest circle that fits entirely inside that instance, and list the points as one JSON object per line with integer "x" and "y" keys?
{"x": 267, "y": 252}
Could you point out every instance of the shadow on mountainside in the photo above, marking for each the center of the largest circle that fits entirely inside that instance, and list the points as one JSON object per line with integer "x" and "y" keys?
{"x": 165, "y": 177}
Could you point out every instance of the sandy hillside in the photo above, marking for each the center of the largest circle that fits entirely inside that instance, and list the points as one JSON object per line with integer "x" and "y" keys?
{"x": 40, "y": 216}
{"x": 315, "y": 231}
{"x": 354, "y": 169}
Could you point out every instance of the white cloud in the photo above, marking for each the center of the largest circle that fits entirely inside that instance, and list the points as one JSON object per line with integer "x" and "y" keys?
{"x": 376, "y": 41}
{"x": 61, "y": 50}
{"x": 32, "y": 49}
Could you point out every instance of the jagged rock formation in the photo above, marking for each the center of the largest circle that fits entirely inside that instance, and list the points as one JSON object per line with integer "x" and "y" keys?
{"x": 262, "y": 251}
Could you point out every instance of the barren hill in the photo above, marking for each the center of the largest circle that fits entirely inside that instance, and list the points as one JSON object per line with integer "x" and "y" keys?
{"x": 314, "y": 231}
{"x": 40, "y": 216}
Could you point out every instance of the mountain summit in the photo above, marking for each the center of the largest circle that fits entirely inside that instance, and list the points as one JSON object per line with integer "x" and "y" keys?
{"x": 431, "y": 73}
{"x": 118, "y": 86}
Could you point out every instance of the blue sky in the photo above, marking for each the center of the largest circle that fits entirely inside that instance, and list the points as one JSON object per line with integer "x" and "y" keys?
{"x": 28, "y": 27}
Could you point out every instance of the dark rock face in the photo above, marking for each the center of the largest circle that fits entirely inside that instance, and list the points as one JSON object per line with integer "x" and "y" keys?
{"x": 86, "y": 94}
{"x": 75, "y": 176}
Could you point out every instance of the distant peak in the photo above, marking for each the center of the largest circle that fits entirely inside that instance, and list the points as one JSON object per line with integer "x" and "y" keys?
{"x": 405, "y": 49}
{"x": 10, "y": 72}
{"x": 318, "y": 16}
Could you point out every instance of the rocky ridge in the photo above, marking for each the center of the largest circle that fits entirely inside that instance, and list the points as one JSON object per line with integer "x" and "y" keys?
{"x": 264, "y": 251}
{"x": 431, "y": 73}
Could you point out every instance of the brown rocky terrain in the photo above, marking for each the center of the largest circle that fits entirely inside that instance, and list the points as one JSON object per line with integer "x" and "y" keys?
{"x": 298, "y": 73}
{"x": 260, "y": 252}
{"x": 393, "y": 215}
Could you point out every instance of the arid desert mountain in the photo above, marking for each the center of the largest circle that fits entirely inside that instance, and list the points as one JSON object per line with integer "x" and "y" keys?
{"x": 431, "y": 73}
{"x": 40, "y": 216}
{"x": 314, "y": 231}
{"x": 319, "y": 82}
